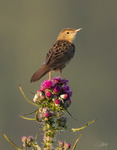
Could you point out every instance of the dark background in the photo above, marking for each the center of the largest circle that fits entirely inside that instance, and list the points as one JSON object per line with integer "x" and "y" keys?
{"x": 28, "y": 28}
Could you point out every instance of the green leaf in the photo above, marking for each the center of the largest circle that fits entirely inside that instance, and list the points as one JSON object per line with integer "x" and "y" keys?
{"x": 74, "y": 146}
{"x": 71, "y": 115}
{"x": 31, "y": 112}
{"x": 27, "y": 118}
{"x": 36, "y": 146}
{"x": 78, "y": 129}
{"x": 15, "y": 146}
{"x": 36, "y": 116}
{"x": 25, "y": 96}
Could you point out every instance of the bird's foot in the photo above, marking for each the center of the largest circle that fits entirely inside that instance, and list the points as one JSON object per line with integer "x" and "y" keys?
{"x": 62, "y": 74}
{"x": 50, "y": 76}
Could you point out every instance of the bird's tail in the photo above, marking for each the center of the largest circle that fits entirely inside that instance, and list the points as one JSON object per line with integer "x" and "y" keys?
{"x": 40, "y": 73}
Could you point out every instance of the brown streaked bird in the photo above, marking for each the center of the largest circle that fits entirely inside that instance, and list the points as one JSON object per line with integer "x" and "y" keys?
{"x": 59, "y": 54}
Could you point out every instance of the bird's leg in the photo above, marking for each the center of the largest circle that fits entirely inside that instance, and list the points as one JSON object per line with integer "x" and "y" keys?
{"x": 49, "y": 75}
{"x": 62, "y": 73}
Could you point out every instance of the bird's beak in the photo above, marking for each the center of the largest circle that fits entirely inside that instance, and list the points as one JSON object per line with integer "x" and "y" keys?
{"x": 77, "y": 30}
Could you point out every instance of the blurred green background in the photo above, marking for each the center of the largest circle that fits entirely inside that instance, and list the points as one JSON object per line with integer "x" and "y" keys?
{"x": 28, "y": 28}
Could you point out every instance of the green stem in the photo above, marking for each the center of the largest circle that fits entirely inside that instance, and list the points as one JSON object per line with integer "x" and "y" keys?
{"x": 48, "y": 137}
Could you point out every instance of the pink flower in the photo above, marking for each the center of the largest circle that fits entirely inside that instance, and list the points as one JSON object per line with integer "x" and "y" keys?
{"x": 48, "y": 94}
{"x": 38, "y": 91}
{"x": 47, "y": 84}
{"x": 57, "y": 102}
{"x": 47, "y": 114}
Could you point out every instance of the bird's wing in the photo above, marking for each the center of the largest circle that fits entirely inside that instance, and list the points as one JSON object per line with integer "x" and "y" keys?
{"x": 49, "y": 55}
{"x": 60, "y": 53}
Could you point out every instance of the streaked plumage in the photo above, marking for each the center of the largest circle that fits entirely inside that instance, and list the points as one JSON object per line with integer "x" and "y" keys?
{"x": 59, "y": 54}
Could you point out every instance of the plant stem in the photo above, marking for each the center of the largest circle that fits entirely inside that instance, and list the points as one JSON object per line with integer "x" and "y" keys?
{"x": 48, "y": 137}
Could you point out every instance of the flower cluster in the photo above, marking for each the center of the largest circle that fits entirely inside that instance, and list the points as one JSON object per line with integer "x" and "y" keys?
{"x": 27, "y": 141}
{"x": 56, "y": 92}
{"x": 64, "y": 146}
{"x": 52, "y": 99}
{"x": 45, "y": 114}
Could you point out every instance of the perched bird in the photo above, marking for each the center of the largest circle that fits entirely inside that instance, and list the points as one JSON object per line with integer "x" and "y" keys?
{"x": 59, "y": 54}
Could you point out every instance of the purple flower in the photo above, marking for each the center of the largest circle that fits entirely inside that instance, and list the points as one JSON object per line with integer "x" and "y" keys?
{"x": 47, "y": 84}
{"x": 59, "y": 80}
{"x": 70, "y": 93}
{"x": 64, "y": 81}
{"x": 66, "y": 88}
{"x": 57, "y": 89}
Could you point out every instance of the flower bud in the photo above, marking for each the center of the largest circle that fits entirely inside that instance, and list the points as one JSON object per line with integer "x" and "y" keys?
{"x": 57, "y": 102}
{"x": 23, "y": 139}
{"x": 48, "y": 94}
{"x": 30, "y": 139}
{"x": 61, "y": 144}
{"x": 70, "y": 93}
{"x": 44, "y": 109}
{"x": 24, "y": 145}
{"x": 59, "y": 80}
{"x": 67, "y": 146}
{"x": 47, "y": 84}
{"x": 64, "y": 96}
{"x": 47, "y": 114}
{"x": 35, "y": 98}
{"x": 66, "y": 88}
{"x": 40, "y": 94}
{"x": 41, "y": 115}
{"x": 57, "y": 89}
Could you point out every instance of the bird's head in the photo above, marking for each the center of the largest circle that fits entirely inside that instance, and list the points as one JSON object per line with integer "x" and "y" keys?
{"x": 68, "y": 34}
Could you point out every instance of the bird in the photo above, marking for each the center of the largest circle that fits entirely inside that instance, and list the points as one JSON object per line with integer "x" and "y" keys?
{"x": 58, "y": 55}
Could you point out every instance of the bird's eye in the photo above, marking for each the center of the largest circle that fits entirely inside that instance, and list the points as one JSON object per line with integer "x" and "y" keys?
{"x": 67, "y": 32}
